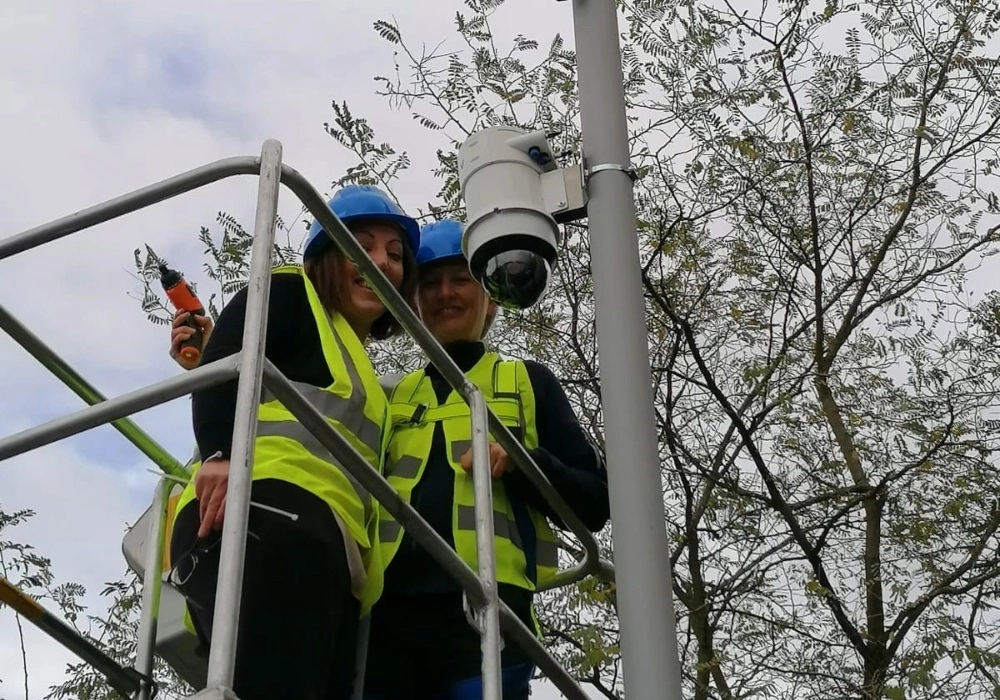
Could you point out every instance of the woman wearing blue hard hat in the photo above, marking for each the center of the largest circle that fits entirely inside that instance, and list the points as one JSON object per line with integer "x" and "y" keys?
{"x": 421, "y": 645}
{"x": 311, "y": 567}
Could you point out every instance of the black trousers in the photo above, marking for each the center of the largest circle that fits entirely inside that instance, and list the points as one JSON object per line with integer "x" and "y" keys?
{"x": 298, "y": 628}
{"x": 421, "y": 646}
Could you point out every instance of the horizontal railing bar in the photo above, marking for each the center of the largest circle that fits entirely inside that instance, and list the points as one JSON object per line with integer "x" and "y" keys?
{"x": 62, "y": 370}
{"x": 119, "y": 407}
{"x": 313, "y": 201}
{"x": 546, "y": 663}
{"x": 129, "y": 202}
{"x": 115, "y": 410}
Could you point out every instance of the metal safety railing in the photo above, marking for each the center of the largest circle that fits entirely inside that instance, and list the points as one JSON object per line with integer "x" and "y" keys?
{"x": 488, "y": 614}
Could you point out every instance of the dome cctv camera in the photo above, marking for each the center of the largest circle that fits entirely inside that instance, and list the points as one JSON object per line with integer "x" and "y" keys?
{"x": 516, "y": 279}
{"x": 511, "y": 238}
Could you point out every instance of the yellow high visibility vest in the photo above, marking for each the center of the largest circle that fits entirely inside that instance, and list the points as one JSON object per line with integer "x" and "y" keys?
{"x": 357, "y": 406}
{"x": 415, "y": 413}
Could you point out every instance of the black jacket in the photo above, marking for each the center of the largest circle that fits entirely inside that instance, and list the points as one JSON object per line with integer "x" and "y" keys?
{"x": 292, "y": 343}
{"x": 565, "y": 455}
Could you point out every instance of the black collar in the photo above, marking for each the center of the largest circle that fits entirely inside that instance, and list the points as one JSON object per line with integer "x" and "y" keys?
{"x": 465, "y": 353}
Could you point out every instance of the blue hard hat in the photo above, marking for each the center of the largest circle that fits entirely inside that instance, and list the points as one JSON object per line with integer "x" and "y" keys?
{"x": 355, "y": 202}
{"x": 514, "y": 679}
{"x": 440, "y": 240}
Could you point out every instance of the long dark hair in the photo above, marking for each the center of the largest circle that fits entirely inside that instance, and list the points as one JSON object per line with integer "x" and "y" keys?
{"x": 323, "y": 269}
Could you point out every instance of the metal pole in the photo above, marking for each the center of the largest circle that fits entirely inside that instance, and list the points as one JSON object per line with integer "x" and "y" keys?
{"x": 126, "y": 203}
{"x": 59, "y": 367}
{"x": 152, "y": 584}
{"x": 645, "y": 603}
{"x": 487, "y": 617}
{"x": 361, "y": 660}
{"x": 125, "y": 681}
{"x": 119, "y": 407}
{"x": 225, "y": 622}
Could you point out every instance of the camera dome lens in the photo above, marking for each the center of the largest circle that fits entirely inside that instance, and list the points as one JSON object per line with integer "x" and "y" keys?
{"x": 516, "y": 279}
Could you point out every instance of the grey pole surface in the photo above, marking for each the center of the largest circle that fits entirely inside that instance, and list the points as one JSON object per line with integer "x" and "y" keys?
{"x": 226, "y": 619}
{"x": 487, "y": 618}
{"x": 152, "y": 583}
{"x": 641, "y": 552}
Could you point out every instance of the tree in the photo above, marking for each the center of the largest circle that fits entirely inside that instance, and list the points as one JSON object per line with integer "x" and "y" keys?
{"x": 815, "y": 190}
{"x": 815, "y": 187}
{"x": 115, "y": 633}
{"x": 818, "y": 238}
{"x": 30, "y": 572}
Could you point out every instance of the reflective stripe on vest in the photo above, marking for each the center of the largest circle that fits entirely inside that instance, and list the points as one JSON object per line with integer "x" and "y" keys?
{"x": 357, "y": 406}
{"x": 415, "y": 414}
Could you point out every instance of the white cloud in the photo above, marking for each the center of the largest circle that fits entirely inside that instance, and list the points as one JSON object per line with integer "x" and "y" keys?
{"x": 104, "y": 97}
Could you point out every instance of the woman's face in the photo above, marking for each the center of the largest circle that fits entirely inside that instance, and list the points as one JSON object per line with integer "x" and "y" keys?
{"x": 360, "y": 305}
{"x": 453, "y": 305}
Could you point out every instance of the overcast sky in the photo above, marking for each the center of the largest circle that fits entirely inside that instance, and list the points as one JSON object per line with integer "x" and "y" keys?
{"x": 103, "y": 97}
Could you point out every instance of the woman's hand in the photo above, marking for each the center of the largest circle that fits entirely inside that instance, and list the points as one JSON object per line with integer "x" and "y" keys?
{"x": 210, "y": 484}
{"x": 180, "y": 332}
{"x": 498, "y": 460}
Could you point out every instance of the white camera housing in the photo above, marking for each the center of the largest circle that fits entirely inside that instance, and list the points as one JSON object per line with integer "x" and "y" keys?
{"x": 515, "y": 194}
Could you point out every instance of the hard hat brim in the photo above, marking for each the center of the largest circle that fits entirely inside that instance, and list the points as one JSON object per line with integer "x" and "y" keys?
{"x": 318, "y": 240}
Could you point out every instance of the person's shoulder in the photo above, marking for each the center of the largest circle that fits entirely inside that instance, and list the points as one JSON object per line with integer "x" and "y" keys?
{"x": 539, "y": 370}
{"x": 543, "y": 380}
{"x": 288, "y": 288}
{"x": 288, "y": 277}
{"x": 285, "y": 285}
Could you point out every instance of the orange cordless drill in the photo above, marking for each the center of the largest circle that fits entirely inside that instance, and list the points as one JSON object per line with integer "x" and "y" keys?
{"x": 183, "y": 298}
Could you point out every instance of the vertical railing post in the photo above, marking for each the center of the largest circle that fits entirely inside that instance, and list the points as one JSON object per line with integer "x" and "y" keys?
{"x": 361, "y": 659}
{"x": 152, "y": 584}
{"x": 225, "y": 623}
{"x": 488, "y": 619}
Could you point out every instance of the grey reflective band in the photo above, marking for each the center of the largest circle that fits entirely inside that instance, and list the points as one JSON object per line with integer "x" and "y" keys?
{"x": 388, "y": 382}
{"x": 293, "y": 430}
{"x": 349, "y": 412}
{"x": 388, "y": 531}
{"x": 459, "y": 448}
{"x": 547, "y": 553}
{"x": 352, "y": 371}
{"x": 406, "y": 467}
{"x": 502, "y": 525}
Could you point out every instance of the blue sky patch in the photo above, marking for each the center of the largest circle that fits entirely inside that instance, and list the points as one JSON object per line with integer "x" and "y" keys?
{"x": 170, "y": 70}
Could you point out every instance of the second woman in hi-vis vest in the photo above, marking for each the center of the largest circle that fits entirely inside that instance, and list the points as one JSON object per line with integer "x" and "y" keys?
{"x": 311, "y": 567}
{"x": 421, "y": 645}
